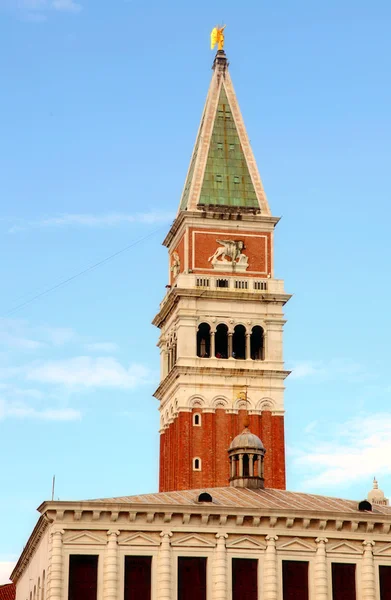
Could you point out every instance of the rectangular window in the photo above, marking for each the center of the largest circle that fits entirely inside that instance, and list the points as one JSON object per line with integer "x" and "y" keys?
{"x": 191, "y": 578}
{"x": 344, "y": 581}
{"x": 83, "y": 577}
{"x": 385, "y": 582}
{"x": 244, "y": 579}
{"x": 295, "y": 580}
{"x": 260, "y": 285}
{"x": 241, "y": 285}
{"x": 138, "y": 577}
{"x": 202, "y": 282}
{"x": 222, "y": 283}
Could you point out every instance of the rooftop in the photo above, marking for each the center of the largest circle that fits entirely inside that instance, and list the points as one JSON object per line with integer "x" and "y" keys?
{"x": 246, "y": 498}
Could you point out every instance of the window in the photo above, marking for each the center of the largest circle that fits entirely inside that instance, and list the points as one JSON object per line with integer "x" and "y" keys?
{"x": 257, "y": 345}
{"x": 202, "y": 282}
{"x": 138, "y": 577}
{"x": 295, "y": 580}
{"x": 197, "y": 420}
{"x": 221, "y": 341}
{"x": 260, "y": 285}
{"x": 196, "y": 464}
{"x": 43, "y": 586}
{"x": 241, "y": 285}
{"x": 219, "y": 146}
{"x": 219, "y": 178}
{"x": 344, "y": 581}
{"x": 385, "y": 582}
{"x": 232, "y": 147}
{"x": 205, "y": 497}
{"x": 191, "y": 578}
{"x": 222, "y": 283}
{"x": 203, "y": 340}
{"x": 236, "y": 179}
{"x": 83, "y": 577}
{"x": 244, "y": 579}
{"x": 239, "y": 342}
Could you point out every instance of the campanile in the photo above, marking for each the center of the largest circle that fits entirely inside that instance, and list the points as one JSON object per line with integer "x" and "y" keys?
{"x": 221, "y": 321}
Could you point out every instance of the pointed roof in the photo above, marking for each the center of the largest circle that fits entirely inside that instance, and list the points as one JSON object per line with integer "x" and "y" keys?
{"x": 223, "y": 173}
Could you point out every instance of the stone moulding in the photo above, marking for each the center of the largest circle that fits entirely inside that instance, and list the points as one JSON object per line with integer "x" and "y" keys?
{"x": 140, "y": 521}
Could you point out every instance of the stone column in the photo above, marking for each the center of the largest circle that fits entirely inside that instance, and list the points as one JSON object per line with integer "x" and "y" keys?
{"x": 212, "y": 344}
{"x": 230, "y": 336}
{"x": 320, "y": 578}
{"x": 110, "y": 575}
{"x": 56, "y": 577}
{"x": 220, "y": 569}
{"x": 270, "y": 588}
{"x": 251, "y": 465}
{"x": 368, "y": 573}
{"x": 248, "y": 346}
{"x": 164, "y": 567}
{"x": 240, "y": 472}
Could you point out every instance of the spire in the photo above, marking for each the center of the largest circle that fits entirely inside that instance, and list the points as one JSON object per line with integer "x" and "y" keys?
{"x": 223, "y": 174}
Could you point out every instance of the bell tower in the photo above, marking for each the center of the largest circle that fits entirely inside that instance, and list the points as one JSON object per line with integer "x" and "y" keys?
{"x": 221, "y": 321}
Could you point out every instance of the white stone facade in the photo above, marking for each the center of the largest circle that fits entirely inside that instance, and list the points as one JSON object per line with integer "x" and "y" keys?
{"x": 165, "y": 532}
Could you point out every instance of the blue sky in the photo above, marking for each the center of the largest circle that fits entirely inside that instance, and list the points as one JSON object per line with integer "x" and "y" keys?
{"x": 98, "y": 115}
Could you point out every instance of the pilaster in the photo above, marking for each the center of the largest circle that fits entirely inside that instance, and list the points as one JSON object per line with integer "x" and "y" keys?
{"x": 368, "y": 587}
{"x": 56, "y": 566}
{"x": 270, "y": 587}
{"x": 110, "y": 576}
{"x": 220, "y": 569}
{"x": 164, "y": 567}
{"x": 321, "y": 582}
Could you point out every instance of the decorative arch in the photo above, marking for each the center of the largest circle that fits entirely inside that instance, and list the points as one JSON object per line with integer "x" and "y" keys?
{"x": 265, "y": 404}
{"x": 239, "y": 342}
{"x": 221, "y": 340}
{"x": 220, "y": 402}
{"x": 203, "y": 340}
{"x": 196, "y": 402}
{"x": 257, "y": 343}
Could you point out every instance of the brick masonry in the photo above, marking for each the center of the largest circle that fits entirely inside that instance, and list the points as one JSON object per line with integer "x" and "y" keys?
{"x": 182, "y": 441}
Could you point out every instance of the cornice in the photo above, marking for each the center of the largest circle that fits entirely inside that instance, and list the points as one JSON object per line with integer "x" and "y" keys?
{"x": 176, "y": 294}
{"x": 176, "y": 371}
{"x": 127, "y": 516}
{"x": 220, "y": 216}
{"x": 30, "y": 548}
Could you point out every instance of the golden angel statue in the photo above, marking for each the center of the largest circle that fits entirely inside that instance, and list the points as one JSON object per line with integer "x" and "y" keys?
{"x": 217, "y": 37}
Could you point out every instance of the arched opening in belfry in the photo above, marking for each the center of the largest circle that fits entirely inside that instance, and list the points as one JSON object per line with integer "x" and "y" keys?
{"x": 221, "y": 341}
{"x": 203, "y": 340}
{"x": 246, "y": 465}
{"x": 239, "y": 342}
{"x": 257, "y": 343}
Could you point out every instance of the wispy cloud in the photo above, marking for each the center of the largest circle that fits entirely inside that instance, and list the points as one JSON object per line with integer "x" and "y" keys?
{"x": 337, "y": 368}
{"x": 23, "y": 411}
{"x": 87, "y": 372}
{"x": 38, "y": 10}
{"x": 67, "y": 6}
{"x": 91, "y": 220}
{"x": 6, "y": 568}
{"x": 359, "y": 448}
{"x": 108, "y": 347}
{"x": 17, "y": 334}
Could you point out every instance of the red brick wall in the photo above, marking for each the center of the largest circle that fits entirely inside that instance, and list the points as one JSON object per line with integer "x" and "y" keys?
{"x": 258, "y": 249}
{"x": 182, "y": 441}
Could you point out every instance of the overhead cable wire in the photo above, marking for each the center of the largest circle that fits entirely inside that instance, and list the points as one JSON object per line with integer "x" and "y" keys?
{"x": 80, "y": 273}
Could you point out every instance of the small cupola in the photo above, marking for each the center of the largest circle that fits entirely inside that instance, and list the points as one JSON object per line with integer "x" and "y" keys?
{"x": 376, "y": 496}
{"x": 246, "y": 455}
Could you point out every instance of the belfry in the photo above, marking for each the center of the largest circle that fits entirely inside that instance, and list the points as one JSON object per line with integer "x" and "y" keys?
{"x": 222, "y": 319}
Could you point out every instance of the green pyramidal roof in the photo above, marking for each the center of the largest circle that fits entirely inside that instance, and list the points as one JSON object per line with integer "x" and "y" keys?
{"x": 227, "y": 180}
